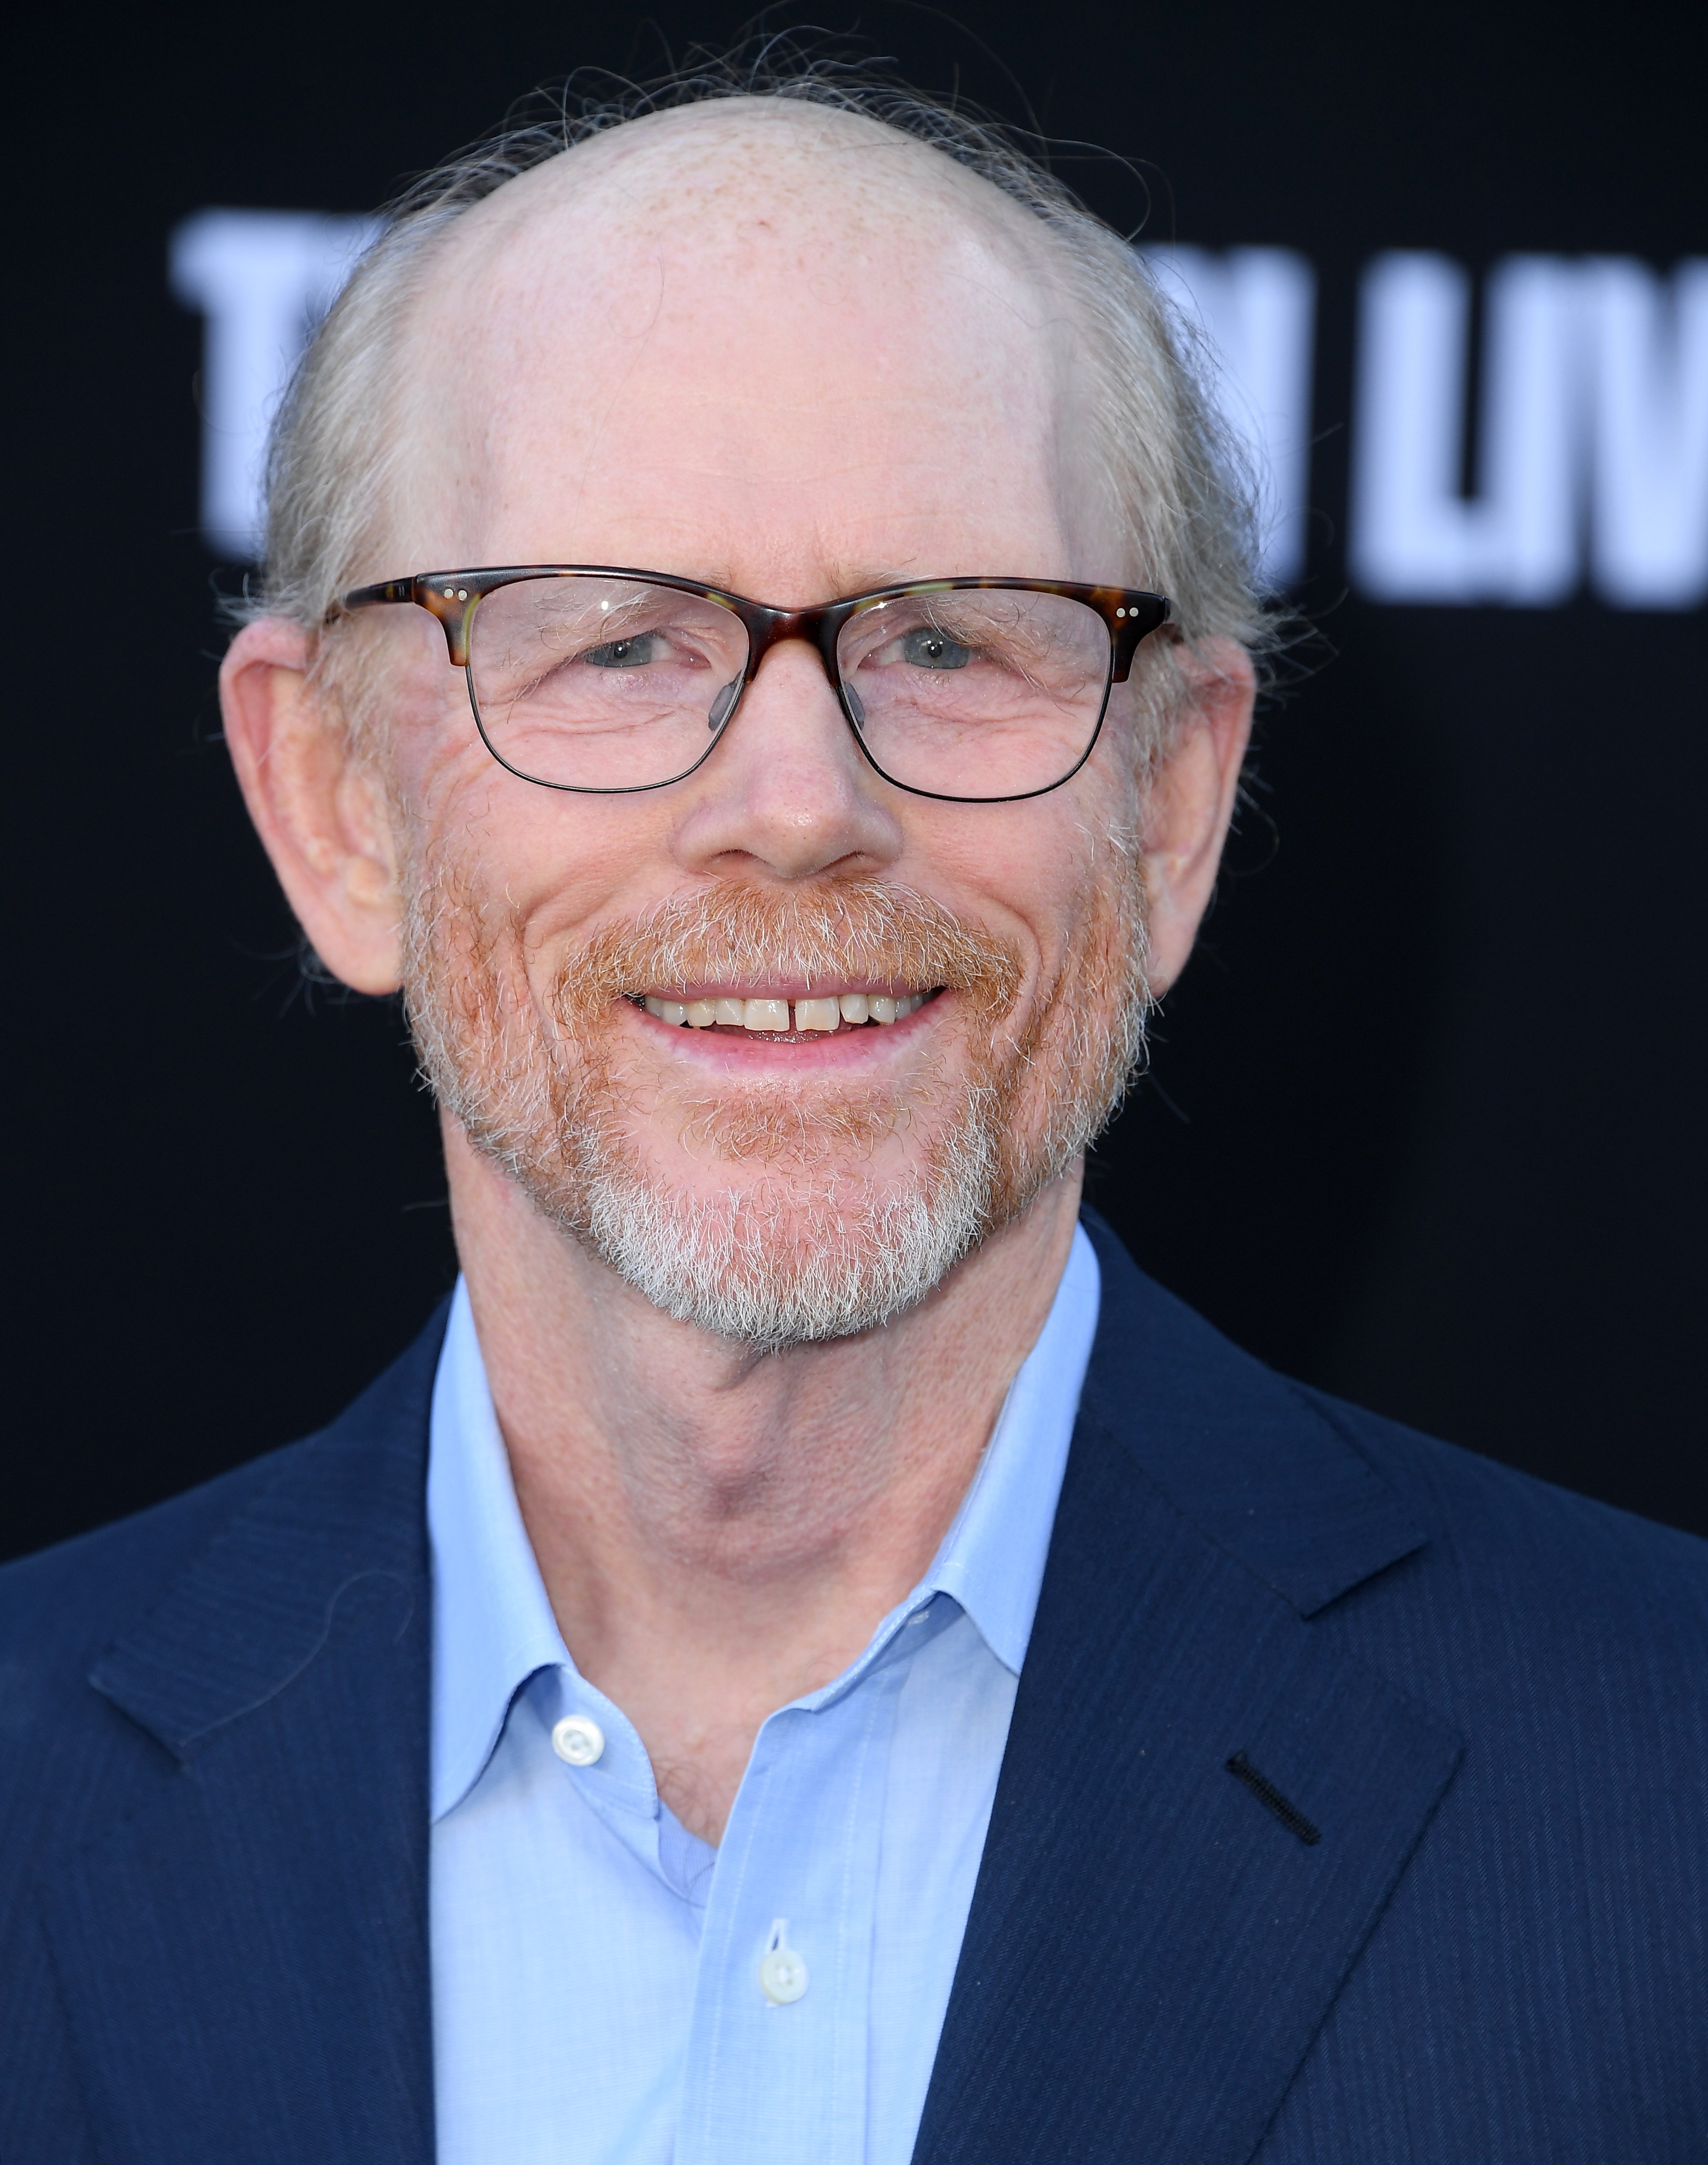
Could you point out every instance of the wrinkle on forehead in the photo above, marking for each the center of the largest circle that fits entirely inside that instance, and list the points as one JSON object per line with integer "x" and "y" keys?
{"x": 772, "y": 293}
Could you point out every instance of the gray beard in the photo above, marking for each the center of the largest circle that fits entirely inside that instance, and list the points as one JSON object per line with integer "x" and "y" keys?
{"x": 808, "y": 1252}
{"x": 795, "y": 1262}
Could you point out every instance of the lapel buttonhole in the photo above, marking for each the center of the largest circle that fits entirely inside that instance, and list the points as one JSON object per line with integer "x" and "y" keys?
{"x": 1264, "y": 1790}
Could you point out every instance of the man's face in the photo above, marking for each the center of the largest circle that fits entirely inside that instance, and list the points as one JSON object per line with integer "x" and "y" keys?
{"x": 794, "y": 372}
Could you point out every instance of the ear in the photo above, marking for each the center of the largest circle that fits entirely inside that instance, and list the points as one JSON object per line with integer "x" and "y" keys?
{"x": 1191, "y": 798}
{"x": 321, "y": 816}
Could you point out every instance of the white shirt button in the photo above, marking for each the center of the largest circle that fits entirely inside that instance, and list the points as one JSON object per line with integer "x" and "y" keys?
{"x": 578, "y": 1741}
{"x": 782, "y": 1975}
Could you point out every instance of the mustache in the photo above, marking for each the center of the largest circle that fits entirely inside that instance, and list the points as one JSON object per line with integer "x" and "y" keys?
{"x": 866, "y": 929}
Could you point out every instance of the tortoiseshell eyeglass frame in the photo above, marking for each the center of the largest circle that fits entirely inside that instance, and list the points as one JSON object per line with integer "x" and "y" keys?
{"x": 1129, "y": 614}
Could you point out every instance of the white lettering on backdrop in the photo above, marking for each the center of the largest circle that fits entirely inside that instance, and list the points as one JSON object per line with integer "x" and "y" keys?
{"x": 1649, "y": 546}
{"x": 1594, "y": 416}
{"x": 263, "y": 279}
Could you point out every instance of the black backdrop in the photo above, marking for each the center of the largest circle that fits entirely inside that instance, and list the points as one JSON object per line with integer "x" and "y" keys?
{"x": 1423, "y": 1125}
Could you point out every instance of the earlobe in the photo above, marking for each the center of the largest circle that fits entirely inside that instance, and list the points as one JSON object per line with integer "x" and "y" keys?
{"x": 320, "y": 814}
{"x": 1191, "y": 799}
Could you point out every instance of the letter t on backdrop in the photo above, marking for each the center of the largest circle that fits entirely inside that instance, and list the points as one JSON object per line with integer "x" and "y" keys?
{"x": 263, "y": 279}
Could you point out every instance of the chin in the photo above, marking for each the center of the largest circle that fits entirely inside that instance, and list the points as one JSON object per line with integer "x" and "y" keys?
{"x": 786, "y": 1253}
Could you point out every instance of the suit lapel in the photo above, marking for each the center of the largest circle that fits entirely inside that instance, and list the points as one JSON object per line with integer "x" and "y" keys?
{"x": 245, "y": 1952}
{"x": 1155, "y": 1939}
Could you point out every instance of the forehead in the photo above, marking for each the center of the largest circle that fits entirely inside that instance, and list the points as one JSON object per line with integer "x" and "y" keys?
{"x": 710, "y": 327}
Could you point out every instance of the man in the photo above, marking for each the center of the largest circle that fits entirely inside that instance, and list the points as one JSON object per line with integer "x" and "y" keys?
{"x": 813, "y": 1658}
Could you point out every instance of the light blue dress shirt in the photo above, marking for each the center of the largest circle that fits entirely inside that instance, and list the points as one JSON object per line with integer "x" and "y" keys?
{"x": 597, "y": 1970}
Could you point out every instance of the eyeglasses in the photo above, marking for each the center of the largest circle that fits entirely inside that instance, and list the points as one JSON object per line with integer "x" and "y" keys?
{"x": 591, "y": 679}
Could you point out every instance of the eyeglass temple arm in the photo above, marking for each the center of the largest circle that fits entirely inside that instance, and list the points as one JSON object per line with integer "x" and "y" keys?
{"x": 453, "y": 606}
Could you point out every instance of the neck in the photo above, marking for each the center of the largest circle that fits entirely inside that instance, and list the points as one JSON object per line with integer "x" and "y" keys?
{"x": 719, "y": 1532}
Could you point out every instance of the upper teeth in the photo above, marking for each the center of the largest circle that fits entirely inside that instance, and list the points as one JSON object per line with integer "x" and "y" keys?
{"x": 823, "y": 1013}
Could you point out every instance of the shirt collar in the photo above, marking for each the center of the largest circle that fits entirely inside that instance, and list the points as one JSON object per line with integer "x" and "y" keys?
{"x": 992, "y": 1559}
{"x": 493, "y": 1623}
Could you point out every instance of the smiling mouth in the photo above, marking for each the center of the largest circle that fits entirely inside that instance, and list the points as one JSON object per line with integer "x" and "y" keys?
{"x": 822, "y": 1015}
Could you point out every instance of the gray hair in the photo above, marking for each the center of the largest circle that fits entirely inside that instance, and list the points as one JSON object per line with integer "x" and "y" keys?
{"x": 1177, "y": 486}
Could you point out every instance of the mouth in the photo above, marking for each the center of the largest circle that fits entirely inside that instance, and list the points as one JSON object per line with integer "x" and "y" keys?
{"x": 780, "y": 1014}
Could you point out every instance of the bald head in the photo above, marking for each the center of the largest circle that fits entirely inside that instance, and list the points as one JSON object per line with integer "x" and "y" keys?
{"x": 755, "y": 341}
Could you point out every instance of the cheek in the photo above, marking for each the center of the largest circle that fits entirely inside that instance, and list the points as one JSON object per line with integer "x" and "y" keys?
{"x": 1079, "y": 903}
{"x": 433, "y": 752}
{"x": 554, "y": 866}
{"x": 1028, "y": 872}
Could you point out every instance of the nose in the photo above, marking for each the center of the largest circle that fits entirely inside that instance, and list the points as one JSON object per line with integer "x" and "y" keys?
{"x": 787, "y": 794}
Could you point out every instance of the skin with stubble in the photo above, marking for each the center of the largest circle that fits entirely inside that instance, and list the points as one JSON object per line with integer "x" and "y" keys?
{"x": 788, "y": 353}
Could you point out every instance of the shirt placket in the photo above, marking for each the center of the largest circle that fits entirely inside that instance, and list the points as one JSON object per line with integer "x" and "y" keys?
{"x": 777, "y": 2067}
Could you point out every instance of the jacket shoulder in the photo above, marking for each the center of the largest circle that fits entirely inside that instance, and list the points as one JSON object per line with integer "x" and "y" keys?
{"x": 1359, "y": 1518}
{"x": 1479, "y": 1491}
{"x": 1547, "y": 1576}
{"x": 63, "y": 1604}
{"x": 211, "y": 1749}
{"x": 61, "y": 1609}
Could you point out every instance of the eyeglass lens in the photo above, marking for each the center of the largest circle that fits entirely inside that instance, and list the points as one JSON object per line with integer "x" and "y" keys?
{"x": 594, "y": 683}
{"x": 978, "y": 692}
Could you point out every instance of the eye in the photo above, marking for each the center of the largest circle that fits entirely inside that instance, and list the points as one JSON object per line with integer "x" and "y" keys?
{"x": 635, "y": 653}
{"x": 928, "y": 648}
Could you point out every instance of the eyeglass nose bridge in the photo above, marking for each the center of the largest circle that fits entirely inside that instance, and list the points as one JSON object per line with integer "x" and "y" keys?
{"x": 817, "y": 626}
{"x": 767, "y": 627}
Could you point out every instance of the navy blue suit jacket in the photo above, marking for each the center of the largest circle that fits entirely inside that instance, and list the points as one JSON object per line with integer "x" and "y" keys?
{"x": 1450, "y": 1903}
